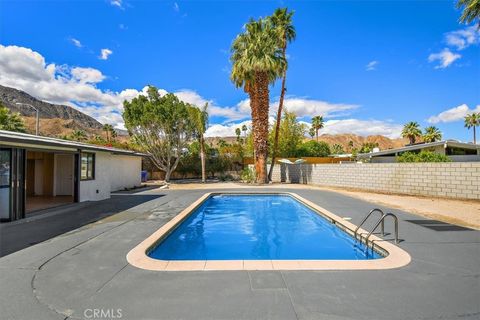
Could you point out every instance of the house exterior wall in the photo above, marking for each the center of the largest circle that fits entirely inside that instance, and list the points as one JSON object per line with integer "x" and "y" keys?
{"x": 459, "y": 180}
{"x": 112, "y": 173}
{"x": 125, "y": 172}
{"x": 99, "y": 188}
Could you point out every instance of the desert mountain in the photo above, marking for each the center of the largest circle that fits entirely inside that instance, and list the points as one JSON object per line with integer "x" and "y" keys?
{"x": 54, "y": 119}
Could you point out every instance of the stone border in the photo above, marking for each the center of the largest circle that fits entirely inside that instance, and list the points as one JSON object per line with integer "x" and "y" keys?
{"x": 395, "y": 256}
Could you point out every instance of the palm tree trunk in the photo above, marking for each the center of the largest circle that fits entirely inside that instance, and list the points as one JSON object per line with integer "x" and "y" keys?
{"x": 260, "y": 106}
{"x": 316, "y": 134}
{"x": 202, "y": 159}
{"x": 474, "y": 136}
{"x": 279, "y": 118}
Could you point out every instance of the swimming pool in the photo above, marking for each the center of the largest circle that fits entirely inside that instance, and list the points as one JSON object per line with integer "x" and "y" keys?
{"x": 261, "y": 231}
{"x": 258, "y": 227}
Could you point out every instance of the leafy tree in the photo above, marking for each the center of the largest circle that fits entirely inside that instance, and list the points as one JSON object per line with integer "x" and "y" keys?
{"x": 368, "y": 147}
{"x": 11, "y": 121}
{"x": 199, "y": 121}
{"x": 317, "y": 124}
{"x": 471, "y": 11}
{"x": 350, "y": 145}
{"x": 472, "y": 121}
{"x": 311, "y": 132}
{"x": 411, "y": 131}
{"x": 291, "y": 134}
{"x": 282, "y": 23}
{"x": 432, "y": 134}
{"x": 160, "y": 126}
{"x": 257, "y": 61}
{"x": 78, "y": 135}
{"x": 423, "y": 156}
{"x": 337, "y": 149}
{"x": 314, "y": 149}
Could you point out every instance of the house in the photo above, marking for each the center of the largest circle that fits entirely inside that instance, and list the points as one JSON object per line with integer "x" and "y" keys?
{"x": 455, "y": 150}
{"x": 41, "y": 172}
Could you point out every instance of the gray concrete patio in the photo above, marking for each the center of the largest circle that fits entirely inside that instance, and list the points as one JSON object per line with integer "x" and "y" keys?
{"x": 85, "y": 269}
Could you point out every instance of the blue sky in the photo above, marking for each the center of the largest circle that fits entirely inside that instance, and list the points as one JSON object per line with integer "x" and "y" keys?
{"x": 367, "y": 66}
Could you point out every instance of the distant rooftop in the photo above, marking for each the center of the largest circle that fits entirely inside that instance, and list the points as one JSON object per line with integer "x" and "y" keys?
{"x": 24, "y": 138}
{"x": 419, "y": 146}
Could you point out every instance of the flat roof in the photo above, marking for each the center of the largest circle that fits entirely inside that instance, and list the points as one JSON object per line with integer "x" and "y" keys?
{"x": 445, "y": 143}
{"x": 39, "y": 141}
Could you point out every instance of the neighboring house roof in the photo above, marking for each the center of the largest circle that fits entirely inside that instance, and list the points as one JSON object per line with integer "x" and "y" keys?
{"x": 420, "y": 146}
{"x": 23, "y": 138}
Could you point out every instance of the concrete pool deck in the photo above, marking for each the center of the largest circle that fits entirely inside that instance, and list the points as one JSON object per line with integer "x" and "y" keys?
{"x": 74, "y": 274}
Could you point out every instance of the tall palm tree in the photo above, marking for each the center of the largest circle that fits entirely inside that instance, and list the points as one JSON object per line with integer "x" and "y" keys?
{"x": 238, "y": 132}
{"x": 472, "y": 121}
{"x": 199, "y": 120}
{"x": 244, "y": 129}
{"x": 432, "y": 134}
{"x": 411, "y": 131}
{"x": 317, "y": 124}
{"x": 471, "y": 11}
{"x": 257, "y": 61}
{"x": 282, "y": 22}
{"x": 108, "y": 129}
{"x": 311, "y": 132}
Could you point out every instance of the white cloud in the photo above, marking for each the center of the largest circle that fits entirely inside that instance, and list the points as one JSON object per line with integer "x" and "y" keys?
{"x": 363, "y": 127}
{"x": 76, "y": 42}
{"x": 25, "y": 69}
{"x": 238, "y": 112}
{"x": 445, "y": 58}
{"x": 105, "y": 53}
{"x": 303, "y": 107}
{"x": 228, "y": 130}
{"x": 176, "y": 7}
{"x": 453, "y": 114}
{"x": 462, "y": 39}
{"x": 87, "y": 75}
{"x": 372, "y": 65}
{"x": 117, "y": 3}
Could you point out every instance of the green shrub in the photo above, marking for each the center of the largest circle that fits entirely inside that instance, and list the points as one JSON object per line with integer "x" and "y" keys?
{"x": 247, "y": 175}
{"x": 313, "y": 149}
{"x": 423, "y": 156}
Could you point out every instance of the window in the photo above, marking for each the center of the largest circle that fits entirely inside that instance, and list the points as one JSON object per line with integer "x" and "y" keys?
{"x": 87, "y": 168}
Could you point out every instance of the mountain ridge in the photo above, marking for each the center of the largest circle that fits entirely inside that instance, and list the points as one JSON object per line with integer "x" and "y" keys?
{"x": 9, "y": 97}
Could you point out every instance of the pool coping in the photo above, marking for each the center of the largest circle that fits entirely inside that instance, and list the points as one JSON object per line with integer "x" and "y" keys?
{"x": 395, "y": 256}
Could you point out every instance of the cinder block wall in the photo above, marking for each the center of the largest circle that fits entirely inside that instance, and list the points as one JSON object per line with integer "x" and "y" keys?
{"x": 459, "y": 180}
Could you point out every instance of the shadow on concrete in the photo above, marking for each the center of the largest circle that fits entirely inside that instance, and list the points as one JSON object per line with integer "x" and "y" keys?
{"x": 295, "y": 173}
{"x": 49, "y": 223}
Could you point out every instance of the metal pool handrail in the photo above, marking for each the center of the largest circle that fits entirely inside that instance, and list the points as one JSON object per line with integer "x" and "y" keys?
{"x": 365, "y": 219}
{"x": 395, "y": 219}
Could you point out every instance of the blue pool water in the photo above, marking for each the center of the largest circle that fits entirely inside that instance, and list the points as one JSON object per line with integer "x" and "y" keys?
{"x": 258, "y": 227}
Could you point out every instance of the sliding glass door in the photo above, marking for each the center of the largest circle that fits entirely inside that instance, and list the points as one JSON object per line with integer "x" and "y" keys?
{"x": 12, "y": 184}
{"x": 5, "y": 183}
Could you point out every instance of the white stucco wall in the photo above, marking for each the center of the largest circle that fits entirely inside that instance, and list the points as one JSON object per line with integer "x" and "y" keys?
{"x": 112, "y": 173}
{"x": 125, "y": 172}
{"x": 99, "y": 188}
